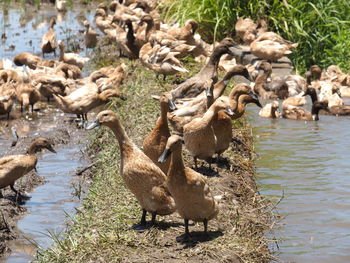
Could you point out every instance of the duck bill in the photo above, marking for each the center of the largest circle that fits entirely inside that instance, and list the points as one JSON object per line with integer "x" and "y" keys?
{"x": 51, "y": 149}
{"x": 257, "y": 102}
{"x": 93, "y": 125}
{"x": 230, "y": 112}
{"x": 339, "y": 93}
{"x": 171, "y": 105}
{"x": 164, "y": 156}
{"x": 251, "y": 94}
{"x": 208, "y": 92}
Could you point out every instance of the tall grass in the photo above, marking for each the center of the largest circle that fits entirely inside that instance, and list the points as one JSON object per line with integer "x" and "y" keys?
{"x": 320, "y": 27}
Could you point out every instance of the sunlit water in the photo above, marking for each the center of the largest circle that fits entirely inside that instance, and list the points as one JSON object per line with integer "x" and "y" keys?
{"x": 309, "y": 163}
{"x": 47, "y": 209}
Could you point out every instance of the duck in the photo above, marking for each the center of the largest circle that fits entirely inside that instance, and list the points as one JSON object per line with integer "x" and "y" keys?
{"x": 246, "y": 30}
{"x": 71, "y": 58}
{"x": 48, "y": 41}
{"x": 189, "y": 188}
{"x": 337, "y": 110}
{"x": 154, "y": 143}
{"x": 261, "y": 86}
{"x": 270, "y": 46}
{"x": 68, "y": 71}
{"x": 297, "y": 113}
{"x": 270, "y": 110}
{"x": 28, "y": 59}
{"x": 90, "y": 36}
{"x": 199, "y": 82}
{"x": 27, "y": 95}
{"x": 186, "y": 32}
{"x": 160, "y": 59}
{"x": 103, "y": 22}
{"x": 61, "y": 5}
{"x": 222, "y": 122}
{"x": 14, "y": 167}
{"x": 83, "y": 105}
{"x": 48, "y": 84}
{"x": 141, "y": 175}
{"x": 127, "y": 41}
{"x": 199, "y": 135}
{"x": 6, "y": 104}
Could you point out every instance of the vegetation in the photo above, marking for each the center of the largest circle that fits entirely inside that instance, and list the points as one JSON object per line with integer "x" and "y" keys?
{"x": 320, "y": 27}
{"x": 102, "y": 228}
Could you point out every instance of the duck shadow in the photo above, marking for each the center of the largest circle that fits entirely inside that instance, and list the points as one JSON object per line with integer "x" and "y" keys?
{"x": 206, "y": 171}
{"x": 20, "y": 199}
{"x": 159, "y": 225}
{"x": 197, "y": 237}
{"x": 223, "y": 162}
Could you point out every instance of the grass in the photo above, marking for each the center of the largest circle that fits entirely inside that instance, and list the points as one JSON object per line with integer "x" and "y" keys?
{"x": 320, "y": 27}
{"x": 100, "y": 232}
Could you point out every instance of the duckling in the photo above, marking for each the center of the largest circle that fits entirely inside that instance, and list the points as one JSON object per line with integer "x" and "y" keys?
{"x": 222, "y": 124}
{"x": 48, "y": 41}
{"x": 90, "y": 36}
{"x": 71, "y": 58}
{"x": 270, "y": 110}
{"x": 189, "y": 189}
{"x": 296, "y": 113}
{"x": 199, "y": 135}
{"x": 27, "y": 95}
{"x": 14, "y": 167}
{"x": 271, "y": 47}
{"x": 143, "y": 178}
{"x": 199, "y": 82}
{"x": 154, "y": 143}
{"x": 61, "y": 5}
{"x": 83, "y": 105}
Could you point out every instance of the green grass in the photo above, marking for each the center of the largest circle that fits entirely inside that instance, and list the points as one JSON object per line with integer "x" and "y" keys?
{"x": 320, "y": 27}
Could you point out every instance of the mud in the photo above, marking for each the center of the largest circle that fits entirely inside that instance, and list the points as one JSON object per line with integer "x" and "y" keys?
{"x": 12, "y": 209}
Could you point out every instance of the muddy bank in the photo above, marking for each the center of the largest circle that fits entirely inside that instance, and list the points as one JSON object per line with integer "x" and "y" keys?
{"x": 58, "y": 129}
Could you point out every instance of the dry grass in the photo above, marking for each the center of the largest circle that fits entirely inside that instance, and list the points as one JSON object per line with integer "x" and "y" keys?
{"x": 102, "y": 229}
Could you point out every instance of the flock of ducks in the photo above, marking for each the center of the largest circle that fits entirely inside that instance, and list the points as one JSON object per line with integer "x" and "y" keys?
{"x": 197, "y": 109}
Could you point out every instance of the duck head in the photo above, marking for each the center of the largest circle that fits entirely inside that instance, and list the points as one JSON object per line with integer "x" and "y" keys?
{"x": 222, "y": 104}
{"x": 193, "y": 24}
{"x": 39, "y": 144}
{"x": 238, "y": 70}
{"x": 106, "y": 118}
{"x": 174, "y": 143}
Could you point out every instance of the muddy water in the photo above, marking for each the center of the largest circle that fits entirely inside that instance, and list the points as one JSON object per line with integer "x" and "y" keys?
{"x": 49, "y": 202}
{"x": 23, "y": 26}
{"x": 309, "y": 162}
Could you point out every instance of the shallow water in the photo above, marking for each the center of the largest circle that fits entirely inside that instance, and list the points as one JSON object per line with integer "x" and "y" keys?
{"x": 47, "y": 208}
{"x": 308, "y": 161}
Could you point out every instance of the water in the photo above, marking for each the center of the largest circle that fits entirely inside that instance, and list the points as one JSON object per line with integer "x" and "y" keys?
{"x": 308, "y": 161}
{"x": 23, "y": 27}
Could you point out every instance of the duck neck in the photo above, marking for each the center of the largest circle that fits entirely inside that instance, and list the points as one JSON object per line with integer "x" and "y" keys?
{"x": 149, "y": 29}
{"x": 61, "y": 57}
{"x": 130, "y": 35}
{"x": 273, "y": 113}
{"x": 209, "y": 115}
{"x": 233, "y": 98}
{"x": 124, "y": 141}
{"x": 33, "y": 149}
{"x": 313, "y": 96}
{"x": 163, "y": 120}
{"x": 176, "y": 161}
{"x": 213, "y": 62}
{"x": 242, "y": 103}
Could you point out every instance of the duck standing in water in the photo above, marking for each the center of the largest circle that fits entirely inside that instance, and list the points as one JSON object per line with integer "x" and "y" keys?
{"x": 14, "y": 167}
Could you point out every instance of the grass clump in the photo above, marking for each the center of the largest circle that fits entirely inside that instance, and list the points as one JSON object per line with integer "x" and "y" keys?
{"x": 320, "y": 27}
{"x": 101, "y": 231}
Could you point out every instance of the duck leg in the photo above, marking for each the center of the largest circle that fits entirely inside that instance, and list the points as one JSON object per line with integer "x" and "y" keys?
{"x": 143, "y": 218}
{"x": 205, "y": 223}
{"x": 1, "y": 196}
{"x": 8, "y": 116}
{"x": 154, "y": 214}
{"x": 18, "y": 194}
{"x": 195, "y": 162}
{"x": 187, "y": 232}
